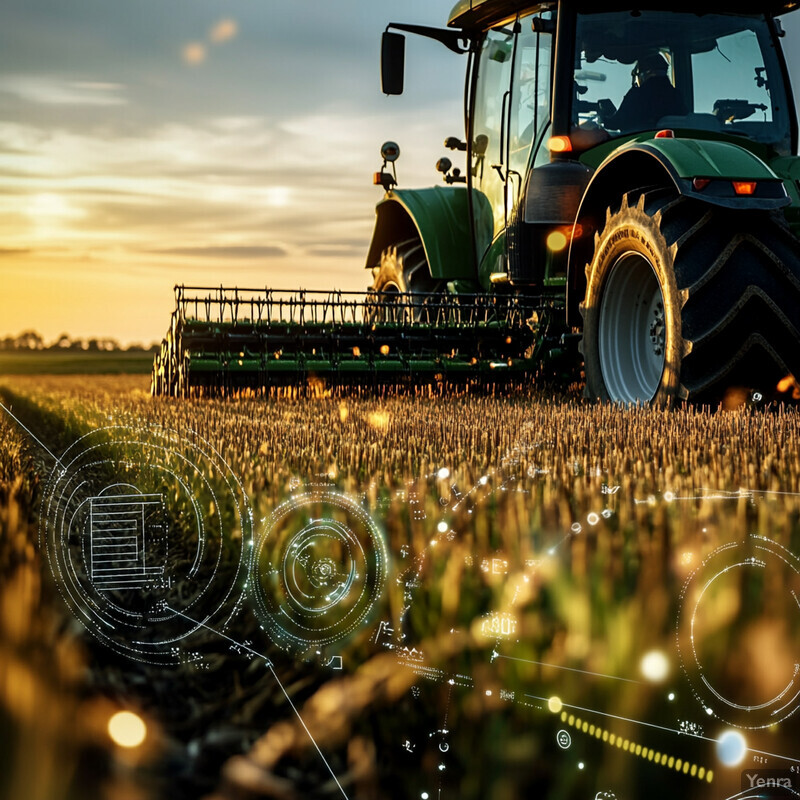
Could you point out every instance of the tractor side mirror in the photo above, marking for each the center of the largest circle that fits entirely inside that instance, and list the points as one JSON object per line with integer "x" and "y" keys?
{"x": 393, "y": 61}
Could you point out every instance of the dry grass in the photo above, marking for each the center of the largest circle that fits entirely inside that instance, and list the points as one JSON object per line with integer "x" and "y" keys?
{"x": 582, "y": 589}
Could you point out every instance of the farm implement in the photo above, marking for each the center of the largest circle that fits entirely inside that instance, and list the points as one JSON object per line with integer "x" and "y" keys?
{"x": 649, "y": 240}
{"x": 223, "y": 341}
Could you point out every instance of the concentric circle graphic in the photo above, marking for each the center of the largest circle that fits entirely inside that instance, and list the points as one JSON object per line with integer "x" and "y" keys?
{"x": 318, "y": 570}
{"x": 145, "y": 531}
{"x": 739, "y": 633}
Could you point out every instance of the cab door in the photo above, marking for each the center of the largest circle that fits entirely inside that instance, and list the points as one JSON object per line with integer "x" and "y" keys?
{"x": 510, "y": 114}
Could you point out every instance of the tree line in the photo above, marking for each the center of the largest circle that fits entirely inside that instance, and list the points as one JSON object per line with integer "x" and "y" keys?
{"x": 33, "y": 340}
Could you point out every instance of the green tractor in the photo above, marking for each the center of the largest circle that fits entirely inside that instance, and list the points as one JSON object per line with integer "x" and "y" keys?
{"x": 630, "y": 197}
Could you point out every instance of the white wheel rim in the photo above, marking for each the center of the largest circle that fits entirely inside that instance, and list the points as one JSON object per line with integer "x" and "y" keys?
{"x": 632, "y": 331}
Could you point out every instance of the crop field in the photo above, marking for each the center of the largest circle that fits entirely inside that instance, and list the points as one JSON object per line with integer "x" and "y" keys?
{"x": 434, "y": 597}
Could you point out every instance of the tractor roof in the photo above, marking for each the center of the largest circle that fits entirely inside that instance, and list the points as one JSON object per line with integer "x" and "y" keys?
{"x": 483, "y": 13}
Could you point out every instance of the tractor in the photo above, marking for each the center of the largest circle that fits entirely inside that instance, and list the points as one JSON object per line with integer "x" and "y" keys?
{"x": 629, "y": 204}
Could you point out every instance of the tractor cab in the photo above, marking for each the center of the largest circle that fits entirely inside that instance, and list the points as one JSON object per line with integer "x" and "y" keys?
{"x": 555, "y": 88}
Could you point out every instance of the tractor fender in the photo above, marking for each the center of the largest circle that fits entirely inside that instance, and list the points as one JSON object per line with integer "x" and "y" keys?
{"x": 671, "y": 164}
{"x": 439, "y": 216}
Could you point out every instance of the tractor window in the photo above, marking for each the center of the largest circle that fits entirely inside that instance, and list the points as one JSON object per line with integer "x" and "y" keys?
{"x": 511, "y": 113}
{"x": 530, "y": 95}
{"x": 491, "y": 105}
{"x": 746, "y": 97}
{"x": 640, "y": 71}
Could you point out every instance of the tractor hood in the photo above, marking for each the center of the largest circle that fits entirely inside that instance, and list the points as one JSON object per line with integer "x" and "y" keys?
{"x": 484, "y": 13}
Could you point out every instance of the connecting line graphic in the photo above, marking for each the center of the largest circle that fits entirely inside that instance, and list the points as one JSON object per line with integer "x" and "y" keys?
{"x": 747, "y": 794}
{"x": 568, "y": 669}
{"x": 278, "y": 681}
{"x": 32, "y": 435}
{"x": 661, "y": 728}
{"x": 718, "y": 494}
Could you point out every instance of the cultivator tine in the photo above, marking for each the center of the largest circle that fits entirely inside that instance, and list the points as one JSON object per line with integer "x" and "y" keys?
{"x": 223, "y": 341}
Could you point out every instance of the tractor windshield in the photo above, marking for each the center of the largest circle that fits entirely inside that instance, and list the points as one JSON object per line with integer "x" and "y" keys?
{"x": 645, "y": 70}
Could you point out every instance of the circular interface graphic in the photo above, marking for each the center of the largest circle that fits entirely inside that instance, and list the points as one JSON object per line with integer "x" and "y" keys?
{"x": 318, "y": 570}
{"x": 739, "y": 633}
{"x": 144, "y": 531}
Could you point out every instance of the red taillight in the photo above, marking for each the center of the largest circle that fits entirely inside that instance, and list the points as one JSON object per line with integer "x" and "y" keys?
{"x": 698, "y": 184}
{"x": 665, "y": 134}
{"x": 745, "y": 187}
{"x": 559, "y": 144}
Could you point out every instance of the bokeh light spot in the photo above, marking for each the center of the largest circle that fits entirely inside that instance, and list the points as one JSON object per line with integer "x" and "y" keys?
{"x": 127, "y": 729}
{"x": 654, "y": 666}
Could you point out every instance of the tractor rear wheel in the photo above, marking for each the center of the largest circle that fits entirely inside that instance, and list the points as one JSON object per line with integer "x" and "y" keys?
{"x": 403, "y": 281}
{"x": 684, "y": 301}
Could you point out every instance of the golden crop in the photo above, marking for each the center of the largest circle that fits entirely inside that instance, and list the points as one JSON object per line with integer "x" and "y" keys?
{"x": 571, "y": 525}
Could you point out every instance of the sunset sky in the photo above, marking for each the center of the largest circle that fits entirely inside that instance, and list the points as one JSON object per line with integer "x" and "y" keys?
{"x": 145, "y": 143}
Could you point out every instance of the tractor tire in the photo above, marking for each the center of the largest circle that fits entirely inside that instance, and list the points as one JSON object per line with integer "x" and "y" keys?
{"x": 685, "y": 301}
{"x": 403, "y": 282}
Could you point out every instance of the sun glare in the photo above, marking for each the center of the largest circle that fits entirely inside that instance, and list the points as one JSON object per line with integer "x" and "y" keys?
{"x": 277, "y": 196}
{"x": 52, "y": 206}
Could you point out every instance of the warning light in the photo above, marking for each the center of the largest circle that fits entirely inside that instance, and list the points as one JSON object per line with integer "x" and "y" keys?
{"x": 698, "y": 184}
{"x": 557, "y": 240}
{"x": 745, "y": 187}
{"x": 665, "y": 134}
{"x": 559, "y": 144}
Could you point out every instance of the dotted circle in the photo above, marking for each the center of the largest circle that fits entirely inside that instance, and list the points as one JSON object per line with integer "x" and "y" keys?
{"x": 742, "y": 580}
{"x": 318, "y": 569}
{"x": 144, "y": 531}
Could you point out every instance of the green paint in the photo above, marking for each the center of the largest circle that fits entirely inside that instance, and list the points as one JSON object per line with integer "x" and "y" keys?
{"x": 441, "y": 216}
{"x": 694, "y": 157}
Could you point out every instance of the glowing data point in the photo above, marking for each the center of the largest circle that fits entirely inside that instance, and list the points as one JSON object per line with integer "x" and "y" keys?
{"x": 554, "y": 704}
{"x": 731, "y": 748}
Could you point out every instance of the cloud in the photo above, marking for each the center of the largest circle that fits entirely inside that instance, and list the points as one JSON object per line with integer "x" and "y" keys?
{"x": 223, "y": 31}
{"x": 269, "y": 251}
{"x": 50, "y": 90}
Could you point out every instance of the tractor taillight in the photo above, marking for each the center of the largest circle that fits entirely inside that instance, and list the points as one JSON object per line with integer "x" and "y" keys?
{"x": 745, "y": 187}
{"x": 698, "y": 184}
{"x": 665, "y": 134}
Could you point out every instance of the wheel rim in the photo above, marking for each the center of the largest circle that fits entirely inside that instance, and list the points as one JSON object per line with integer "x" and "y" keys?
{"x": 632, "y": 330}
